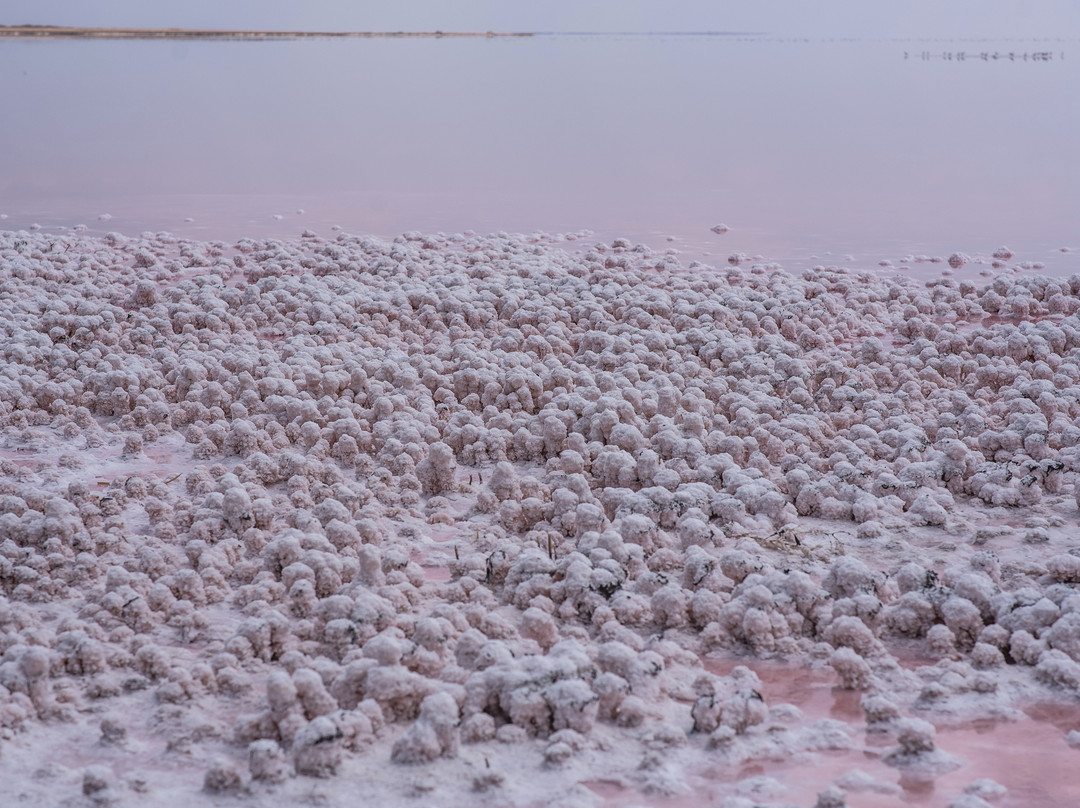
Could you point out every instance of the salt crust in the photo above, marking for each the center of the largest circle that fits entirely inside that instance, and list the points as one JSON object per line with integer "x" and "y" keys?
{"x": 229, "y": 476}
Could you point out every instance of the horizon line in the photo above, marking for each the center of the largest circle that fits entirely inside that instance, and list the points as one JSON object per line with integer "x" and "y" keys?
{"x": 117, "y": 32}
{"x": 76, "y": 32}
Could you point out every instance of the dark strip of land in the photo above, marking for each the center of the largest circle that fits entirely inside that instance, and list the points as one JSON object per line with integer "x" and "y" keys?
{"x": 61, "y": 32}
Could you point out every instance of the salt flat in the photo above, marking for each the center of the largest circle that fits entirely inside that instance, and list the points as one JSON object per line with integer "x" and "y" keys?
{"x": 452, "y": 519}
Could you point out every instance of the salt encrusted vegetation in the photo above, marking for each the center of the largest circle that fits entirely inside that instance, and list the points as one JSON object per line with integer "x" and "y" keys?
{"x": 477, "y": 508}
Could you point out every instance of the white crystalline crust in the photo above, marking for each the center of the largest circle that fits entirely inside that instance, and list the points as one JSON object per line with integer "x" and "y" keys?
{"x": 465, "y": 518}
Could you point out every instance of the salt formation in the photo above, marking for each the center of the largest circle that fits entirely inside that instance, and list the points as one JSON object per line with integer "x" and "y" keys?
{"x": 483, "y": 513}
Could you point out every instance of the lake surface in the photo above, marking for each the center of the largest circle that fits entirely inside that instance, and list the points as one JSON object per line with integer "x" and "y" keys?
{"x": 869, "y": 147}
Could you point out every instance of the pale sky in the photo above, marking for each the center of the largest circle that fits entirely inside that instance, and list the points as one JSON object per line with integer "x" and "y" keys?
{"x": 826, "y": 18}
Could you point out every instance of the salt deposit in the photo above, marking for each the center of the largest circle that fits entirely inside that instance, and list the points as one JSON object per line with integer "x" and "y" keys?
{"x": 469, "y": 518}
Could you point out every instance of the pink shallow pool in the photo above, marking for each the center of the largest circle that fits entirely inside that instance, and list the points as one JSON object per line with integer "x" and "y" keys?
{"x": 1029, "y": 756}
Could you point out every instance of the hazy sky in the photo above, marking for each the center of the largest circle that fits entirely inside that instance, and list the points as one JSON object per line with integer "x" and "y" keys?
{"x": 841, "y": 18}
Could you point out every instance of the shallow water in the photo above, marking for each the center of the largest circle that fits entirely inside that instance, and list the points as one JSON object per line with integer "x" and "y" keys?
{"x": 1030, "y": 756}
{"x": 810, "y": 149}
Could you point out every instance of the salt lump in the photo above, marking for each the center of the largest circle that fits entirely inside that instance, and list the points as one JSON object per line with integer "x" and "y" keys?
{"x": 916, "y": 745}
{"x": 434, "y": 734}
{"x": 478, "y": 508}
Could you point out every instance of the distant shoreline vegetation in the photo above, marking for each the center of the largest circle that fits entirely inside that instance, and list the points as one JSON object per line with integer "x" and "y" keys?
{"x": 64, "y": 32}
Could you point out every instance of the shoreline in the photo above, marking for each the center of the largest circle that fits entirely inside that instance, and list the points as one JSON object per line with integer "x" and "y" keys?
{"x": 73, "y": 32}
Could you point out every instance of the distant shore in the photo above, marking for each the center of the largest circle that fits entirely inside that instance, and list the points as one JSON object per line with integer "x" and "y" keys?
{"x": 63, "y": 32}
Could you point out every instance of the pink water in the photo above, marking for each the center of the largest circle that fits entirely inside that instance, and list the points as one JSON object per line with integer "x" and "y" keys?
{"x": 1029, "y": 756}
{"x": 812, "y": 150}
